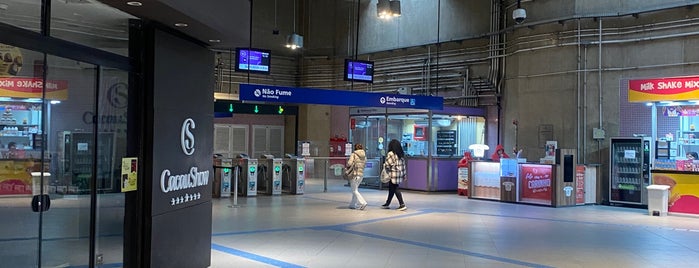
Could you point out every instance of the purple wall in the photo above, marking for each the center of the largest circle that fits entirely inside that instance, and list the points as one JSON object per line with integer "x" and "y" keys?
{"x": 446, "y": 173}
{"x": 417, "y": 174}
{"x": 635, "y": 118}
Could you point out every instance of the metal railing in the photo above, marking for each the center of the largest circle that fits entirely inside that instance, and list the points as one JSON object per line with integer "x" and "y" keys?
{"x": 331, "y": 168}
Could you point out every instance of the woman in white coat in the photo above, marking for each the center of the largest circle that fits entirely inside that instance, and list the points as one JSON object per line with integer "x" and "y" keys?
{"x": 357, "y": 162}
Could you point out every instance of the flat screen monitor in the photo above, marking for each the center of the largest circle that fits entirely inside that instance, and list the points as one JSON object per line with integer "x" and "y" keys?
{"x": 359, "y": 70}
{"x": 252, "y": 59}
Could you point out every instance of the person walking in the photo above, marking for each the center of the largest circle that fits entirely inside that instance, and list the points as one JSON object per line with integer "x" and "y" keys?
{"x": 395, "y": 166}
{"x": 357, "y": 162}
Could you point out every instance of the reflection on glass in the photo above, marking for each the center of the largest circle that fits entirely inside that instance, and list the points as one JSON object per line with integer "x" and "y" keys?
{"x": 110, "y": 149}
{"x": 71, "y": 161}
{"x": 24, "y": 14}
{"x": 20, "y": 155}
{"x": 446, "y": 136}
{"x": 92, "y": 24}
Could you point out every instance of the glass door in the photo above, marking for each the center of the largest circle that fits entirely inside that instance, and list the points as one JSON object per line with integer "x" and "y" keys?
{"x": 626, "y": 170}
{"x": 60, "y": 139}
{"x": 21, "y": 114}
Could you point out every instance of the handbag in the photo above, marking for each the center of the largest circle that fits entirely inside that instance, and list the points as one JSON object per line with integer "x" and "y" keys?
{"x": 347, "y": 173}
{"x": 385, "y": 178}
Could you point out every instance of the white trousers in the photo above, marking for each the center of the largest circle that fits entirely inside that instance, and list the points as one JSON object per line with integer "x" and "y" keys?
{"x": 357, "y": 199}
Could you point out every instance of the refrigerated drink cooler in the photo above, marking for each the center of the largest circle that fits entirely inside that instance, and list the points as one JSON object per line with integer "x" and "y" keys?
{"x": 629, "y": 170}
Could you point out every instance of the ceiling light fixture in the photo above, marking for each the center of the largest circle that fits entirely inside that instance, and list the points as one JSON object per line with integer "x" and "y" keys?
{"x": 181, "y": 24}
{"x": 134, "y": 3}
{"x": 294, "y": 40}
{"x": 215, "y": 40}
{"x": 386, "y": 9}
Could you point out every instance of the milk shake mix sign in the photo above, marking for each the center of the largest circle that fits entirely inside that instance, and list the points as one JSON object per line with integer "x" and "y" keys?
{"x": 176, "y": 183}
{"x": 664, "y": 89}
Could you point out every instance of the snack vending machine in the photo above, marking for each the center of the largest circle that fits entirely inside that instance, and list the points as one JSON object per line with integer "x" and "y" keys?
{"x": 629, "y": 170}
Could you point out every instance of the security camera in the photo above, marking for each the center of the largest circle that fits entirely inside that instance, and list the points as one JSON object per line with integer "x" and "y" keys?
{"x": 519, "y": 15}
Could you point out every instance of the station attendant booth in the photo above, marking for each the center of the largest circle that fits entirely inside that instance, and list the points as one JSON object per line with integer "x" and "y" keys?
{"x": 433, "y": 140}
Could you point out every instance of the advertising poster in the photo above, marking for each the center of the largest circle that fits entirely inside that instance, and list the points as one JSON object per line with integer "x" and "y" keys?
{"x": 684, "y": 191}
{"x": 11, "y": 60}
{"x": 463, "y": 180}
{"x": 129, "y": 174}
{"x": 551, "y": 149}
{"x": 536, "y": 181}
{"x": 580, "y": 185}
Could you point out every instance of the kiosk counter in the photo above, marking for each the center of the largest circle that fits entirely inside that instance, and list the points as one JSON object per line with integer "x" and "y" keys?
{"x": 533, "y": 183}
{"x": 683, "y": 196}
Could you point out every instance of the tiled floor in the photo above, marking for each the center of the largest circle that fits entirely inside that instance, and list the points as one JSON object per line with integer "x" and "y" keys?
{"x": 318, "y": 229}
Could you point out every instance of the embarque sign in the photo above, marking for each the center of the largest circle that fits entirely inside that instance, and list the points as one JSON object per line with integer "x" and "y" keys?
{"x": 265, "y": 93}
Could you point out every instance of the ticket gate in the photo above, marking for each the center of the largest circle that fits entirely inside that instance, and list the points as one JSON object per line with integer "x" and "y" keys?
{"x": 226, "y": 175}
{"x": 269, "y": 175}
{"x": 223, "y": 175}
{"x": 293, "y": 174}
{"x": 246, "y": 169}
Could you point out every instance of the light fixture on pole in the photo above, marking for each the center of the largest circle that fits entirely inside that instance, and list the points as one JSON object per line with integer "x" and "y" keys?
{"x": 387, "y": 9}
{"x": 294, "y": 40}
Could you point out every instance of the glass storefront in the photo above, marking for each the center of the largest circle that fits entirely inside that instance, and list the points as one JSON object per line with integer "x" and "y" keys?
{"x": 62, "y": 134}
{"x": 25, "y": 14}
{"x": 92, "y": 24}
{"x": 432, "y": 140}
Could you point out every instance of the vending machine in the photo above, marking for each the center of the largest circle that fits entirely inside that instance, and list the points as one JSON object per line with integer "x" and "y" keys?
{"x": 629, "y": 170}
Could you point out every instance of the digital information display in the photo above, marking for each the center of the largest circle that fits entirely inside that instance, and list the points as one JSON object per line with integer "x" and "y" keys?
{"x": 359, "y": 70}
{"x": 254, "y": 60}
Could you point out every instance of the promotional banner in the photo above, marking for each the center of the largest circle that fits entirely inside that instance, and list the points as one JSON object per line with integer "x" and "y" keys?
{"x": 129, "y": 174}
{"x": 580, "y": 185}
{"x": 664, "y": 89}
{"x": 535, "y": 183}
{"x": 683, "y": 196}
{"x": 31, "y": 87}
{"x": 265, "y": 93}
{"x": 681, "y": 110}
{"x": 11, "y": 60}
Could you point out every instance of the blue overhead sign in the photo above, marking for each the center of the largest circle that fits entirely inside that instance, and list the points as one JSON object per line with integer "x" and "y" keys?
{"x": 264, "y": 93}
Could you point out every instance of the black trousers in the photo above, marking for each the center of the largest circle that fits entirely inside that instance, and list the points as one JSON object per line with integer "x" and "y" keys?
{"x": 393, "y": 189}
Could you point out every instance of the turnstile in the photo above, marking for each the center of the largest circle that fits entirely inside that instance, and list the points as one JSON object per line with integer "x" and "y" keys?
{"x": 247, "y": 175}
{"x": 269, "y": 175}
{"x": 226, "y": 175}
{"x": 292, "y": 174}
{"x": 222, "y": 177}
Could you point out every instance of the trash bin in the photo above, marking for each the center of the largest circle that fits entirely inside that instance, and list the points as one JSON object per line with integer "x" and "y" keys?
{"x": 657, "y": 199}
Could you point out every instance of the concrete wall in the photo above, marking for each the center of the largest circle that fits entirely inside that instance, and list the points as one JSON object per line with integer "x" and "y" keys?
{"x": 555, "y": 73}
